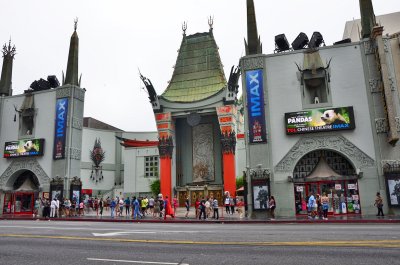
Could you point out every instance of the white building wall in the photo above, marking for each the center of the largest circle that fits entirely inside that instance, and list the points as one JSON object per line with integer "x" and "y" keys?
{"x": 347, "y": 86}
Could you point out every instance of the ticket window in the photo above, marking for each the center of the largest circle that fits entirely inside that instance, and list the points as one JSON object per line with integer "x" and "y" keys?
{"x": 352, "y": 197}
{"x": 300, "y": 199}
{"x": 8, "y": 206}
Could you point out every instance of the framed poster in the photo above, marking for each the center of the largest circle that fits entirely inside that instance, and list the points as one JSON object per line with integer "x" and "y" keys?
{"x": 260, "y": 195}
{"x": 393, "y": 189}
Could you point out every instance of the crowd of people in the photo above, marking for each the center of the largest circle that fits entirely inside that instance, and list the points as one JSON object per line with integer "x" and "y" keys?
{"x": 136, "y": 207}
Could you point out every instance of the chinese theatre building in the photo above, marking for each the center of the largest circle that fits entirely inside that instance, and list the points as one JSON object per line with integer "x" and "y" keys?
{"x": 196, "y": 122}
{"x": 40, "y": 135}
{"x": 322, "y": 120}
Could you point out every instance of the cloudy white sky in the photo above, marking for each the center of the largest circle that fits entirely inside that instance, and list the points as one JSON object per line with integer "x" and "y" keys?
{"x": 119, "y": 36}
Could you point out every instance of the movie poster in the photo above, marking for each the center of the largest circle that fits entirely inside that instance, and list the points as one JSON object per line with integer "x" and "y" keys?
{"x": 320, "y": 120}
{"x": 394, "y": 191}
{"x": 260, "y": 197}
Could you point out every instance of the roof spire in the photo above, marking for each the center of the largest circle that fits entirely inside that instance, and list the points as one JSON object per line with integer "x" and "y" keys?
{"x": 253, "y": 44}
{"x": 6, "y": 73}
{"x": 71, "y": 76}
{"x": 368, "y": 21}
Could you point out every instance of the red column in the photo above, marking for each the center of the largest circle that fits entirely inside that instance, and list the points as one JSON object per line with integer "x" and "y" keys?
{"x": 229, "y": 173}
{"x": 165, "y": 176}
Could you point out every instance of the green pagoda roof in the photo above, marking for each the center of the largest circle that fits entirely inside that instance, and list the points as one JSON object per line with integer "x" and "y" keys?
{"x": 198, "y": 72}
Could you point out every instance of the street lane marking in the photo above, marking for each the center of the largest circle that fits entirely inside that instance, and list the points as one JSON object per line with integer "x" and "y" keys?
{"x": 356, "y": 243}
{"x": 123, "y": 233}
{"x": 137, "y": 261}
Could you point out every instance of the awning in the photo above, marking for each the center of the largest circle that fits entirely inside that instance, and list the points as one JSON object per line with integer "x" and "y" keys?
{"x": 240, "y": 189}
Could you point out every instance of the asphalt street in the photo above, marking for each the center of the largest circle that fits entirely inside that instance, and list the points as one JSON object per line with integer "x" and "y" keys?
{"x": 42, "y": 242}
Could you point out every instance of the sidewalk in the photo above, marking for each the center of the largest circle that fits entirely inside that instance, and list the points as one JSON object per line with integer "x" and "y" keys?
{"x": 224, "y": 218}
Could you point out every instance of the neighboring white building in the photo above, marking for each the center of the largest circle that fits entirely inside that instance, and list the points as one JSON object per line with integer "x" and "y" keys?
{"x": 126, "y": 171}
{"x": 391, "y": 23}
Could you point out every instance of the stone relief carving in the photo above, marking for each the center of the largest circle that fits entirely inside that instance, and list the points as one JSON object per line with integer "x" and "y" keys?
{"x": 392, "y": 83}
{"x": 30, "y": 164}
{"x": 77, "y": 123}
{"x": 260, "y": 173}
{"x": 369, "y": 47}
{"x": 75, "y": 153}
{"x": 381, "y": 125}
{"x": 390, "y": 165}
{"x": 386, "y": 44}
{"x": 375, "y": 85}
{"x": 252, "y": 63}
{"x": 332, "y": 142}
{"x": 64, "y": 92}
{"x": 79, "y": 94}
{"x": 203, "y": 153}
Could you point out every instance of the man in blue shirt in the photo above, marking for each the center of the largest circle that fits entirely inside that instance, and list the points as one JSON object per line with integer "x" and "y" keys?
{"x": 127, "y": 206}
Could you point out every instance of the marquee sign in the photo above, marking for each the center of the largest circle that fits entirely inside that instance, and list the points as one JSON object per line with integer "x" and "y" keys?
{"x": 320, "y": 120}
{"x": 255, "y": 106}
{"x": 60, "y": 130}
{"x": 24, "y": 148}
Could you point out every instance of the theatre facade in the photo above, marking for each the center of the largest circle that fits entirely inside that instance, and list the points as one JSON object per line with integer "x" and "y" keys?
{"x": 41, "y": 136}
{"x": 323, "y": 120}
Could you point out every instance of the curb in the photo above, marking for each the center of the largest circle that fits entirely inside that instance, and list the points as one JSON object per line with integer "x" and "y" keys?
{"x": 194, "y": 221}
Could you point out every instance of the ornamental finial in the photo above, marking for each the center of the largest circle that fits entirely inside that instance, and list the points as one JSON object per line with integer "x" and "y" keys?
{"x": 184, "y": 27}
{"x": 211, "y": 22}
{"x": 75, "y": 24}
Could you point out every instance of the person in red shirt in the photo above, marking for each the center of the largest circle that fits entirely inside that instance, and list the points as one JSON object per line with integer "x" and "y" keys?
{"x": 196, "y": 206}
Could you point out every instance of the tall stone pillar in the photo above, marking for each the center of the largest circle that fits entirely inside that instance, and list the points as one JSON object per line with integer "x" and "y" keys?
{"x": 165, "y": 148}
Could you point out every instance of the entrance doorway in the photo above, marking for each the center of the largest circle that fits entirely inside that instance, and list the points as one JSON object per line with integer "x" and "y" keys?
{"x": 22, "y": 198}
{"x": 327, "y": 172}
{"x": 343, "y": 196}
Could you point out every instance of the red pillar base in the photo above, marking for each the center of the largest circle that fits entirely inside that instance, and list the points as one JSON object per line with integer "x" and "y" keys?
{"x": 229, "y": 173}
{"x": 165, "y": 176}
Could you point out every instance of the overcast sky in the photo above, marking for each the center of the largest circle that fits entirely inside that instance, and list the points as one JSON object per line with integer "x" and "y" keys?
{"x": 119, "y": 36}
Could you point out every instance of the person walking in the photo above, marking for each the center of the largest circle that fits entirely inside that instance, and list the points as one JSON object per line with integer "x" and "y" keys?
{"x": 187, "y": 205}
{"x": 175, "y": 204}
{"x": 112, "y": 207}
{"x": 227, "y": 205}
{"x": 127, "y": 207}
{"x": 319, "y": 206}
{"x": 197, "y": 207}
{"x": 215, "y": 207}
{"x": 136, "y": 212}
{"x": 232, "y": 203}
{"x": 53, "y": 208}
{"x": 36, "y": 208}
{"x": 202, "y": 208}
{"x": 67, "y": 206}
{"x": 101, "y": 207}
{"x": 168, "y": 208}
{"x": 379, "y": 204}
{"x": 156, "y": 211}
{"x": 151, "y": 205}
{"x": 272, "y": 206}
{"x": 240, "y": 207}
{"x": 325, "y": 206}
{"x": 311, "y": 203}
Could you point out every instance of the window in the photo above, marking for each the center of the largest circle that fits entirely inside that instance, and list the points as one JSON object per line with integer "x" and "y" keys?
{"x": 151, "y": 167}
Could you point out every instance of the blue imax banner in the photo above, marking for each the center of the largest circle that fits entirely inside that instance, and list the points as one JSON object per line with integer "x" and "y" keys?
{"x": 60, "y": 130}
{"x": 255, "y": 106}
